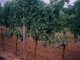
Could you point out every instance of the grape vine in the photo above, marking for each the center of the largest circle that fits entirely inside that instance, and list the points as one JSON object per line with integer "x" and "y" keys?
{"x": 44, "y": 22}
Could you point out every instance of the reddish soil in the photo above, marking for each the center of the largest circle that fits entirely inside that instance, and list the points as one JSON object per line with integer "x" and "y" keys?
{"x": 72, "y": 51}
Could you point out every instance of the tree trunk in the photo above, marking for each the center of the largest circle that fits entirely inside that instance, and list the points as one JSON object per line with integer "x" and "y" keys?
{"x": 2, "y": 38}
{"x": 16, "y": 44}
{"x": 35, "y": 50}
{"x": 63, "y": 53}
{"x": 24, "y": 39}
{"x": 3, "y": 42}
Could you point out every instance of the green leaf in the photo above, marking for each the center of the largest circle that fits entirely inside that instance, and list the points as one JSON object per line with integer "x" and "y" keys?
{"x": 52, "y": 45}
{"x": 44, "y": 43}
{"x": 58, "y": 46}
{"x": 66, "y": 43}
{"x": 75, "y": 37}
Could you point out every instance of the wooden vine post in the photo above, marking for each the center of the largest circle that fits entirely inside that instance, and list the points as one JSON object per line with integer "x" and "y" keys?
{"x": 24, "y": 37}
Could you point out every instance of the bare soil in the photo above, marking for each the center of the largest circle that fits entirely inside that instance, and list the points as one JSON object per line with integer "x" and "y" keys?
{"x": 72, "y": 51}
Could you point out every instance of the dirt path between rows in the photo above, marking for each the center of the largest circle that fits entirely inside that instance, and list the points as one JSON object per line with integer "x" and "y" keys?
{"x": 72, "y": 51}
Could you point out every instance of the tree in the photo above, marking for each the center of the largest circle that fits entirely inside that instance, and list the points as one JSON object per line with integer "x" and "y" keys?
{"x": 1, "y": 24}
{"x": 74, "y": 27}
{"x": 43, "y": 21}
{"x": 48, "y": 22}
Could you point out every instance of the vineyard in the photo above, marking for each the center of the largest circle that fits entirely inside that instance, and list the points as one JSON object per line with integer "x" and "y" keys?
{"x": 35, "y": 30}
